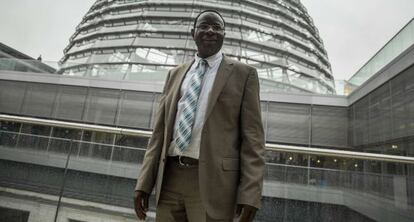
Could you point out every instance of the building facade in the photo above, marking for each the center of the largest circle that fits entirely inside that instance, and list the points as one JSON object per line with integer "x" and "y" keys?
{"x": 71, "y": 145}
{"x": 70, "y": 137}
{"x": 141, "y": 40}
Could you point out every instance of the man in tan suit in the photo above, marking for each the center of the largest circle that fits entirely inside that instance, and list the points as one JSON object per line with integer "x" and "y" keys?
{"x": 205, "y": 156}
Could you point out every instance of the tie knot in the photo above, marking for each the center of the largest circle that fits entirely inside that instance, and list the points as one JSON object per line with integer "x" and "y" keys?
{"x": 203, "y": 63}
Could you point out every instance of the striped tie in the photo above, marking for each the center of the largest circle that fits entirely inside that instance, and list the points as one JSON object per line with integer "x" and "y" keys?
{"x": 190, "y": 102}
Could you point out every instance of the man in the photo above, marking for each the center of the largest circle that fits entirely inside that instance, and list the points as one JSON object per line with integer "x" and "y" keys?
{"x": 206, "y": 152}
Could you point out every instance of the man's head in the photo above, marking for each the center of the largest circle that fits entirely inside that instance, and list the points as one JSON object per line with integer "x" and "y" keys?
{"x": 208, "y": 33}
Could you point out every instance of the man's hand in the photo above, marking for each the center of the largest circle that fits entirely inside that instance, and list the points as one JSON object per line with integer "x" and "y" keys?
{"x": 246, "y": 213}
{"x": 141, "y": 204}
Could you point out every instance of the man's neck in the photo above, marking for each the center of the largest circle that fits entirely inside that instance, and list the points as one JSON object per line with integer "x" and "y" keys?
{"x": 206, "y": 57}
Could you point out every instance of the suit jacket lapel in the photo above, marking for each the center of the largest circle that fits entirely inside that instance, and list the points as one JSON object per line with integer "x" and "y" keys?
{"x": 171, "y": 105}
{"x": 223, "y": 73}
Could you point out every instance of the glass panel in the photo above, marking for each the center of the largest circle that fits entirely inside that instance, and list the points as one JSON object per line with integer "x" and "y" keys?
{"x": 77, "y": 71}
{"x": 61, "y": 138}
{"x": 70, "y": 103}
{"x": 79, "y": 60}
{"x": 297, "y": 188}
{"x": 11, "y": 96}
{"x": 34, "y": 137}
{"x": 136, "y": 109}
{"x": 112, "y": 72}
{"x": 273, "y": 73}
{"x": 101, "y": 106}
{"x": 98, "y": 145}
{"x": 114, "y": 43}
{"x": 329, "y": 126}
{"x": 9, "y": 133}
{"x": 39, "y": 100}
{"x": 24, "y": 65}
{"x": 151, "y": 55}
{"x": 106, "y": 58}
{"x": 380, "y": 114}
{"x": 360, "y": 121}
{"x": 153, "y": 74}
{"x": 400, "y": 42}
{"x": 288, "y": 123}
{"x": 159, "y": 42}
{"x": 130, "y": 148}
{"x": 131, "y": 155}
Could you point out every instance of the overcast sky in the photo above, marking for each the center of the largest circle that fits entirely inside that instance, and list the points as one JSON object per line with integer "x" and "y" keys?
{"x": 352, "y": 30}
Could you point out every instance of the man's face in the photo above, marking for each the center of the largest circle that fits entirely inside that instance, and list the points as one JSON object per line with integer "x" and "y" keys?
{"x": 208, "y": 34}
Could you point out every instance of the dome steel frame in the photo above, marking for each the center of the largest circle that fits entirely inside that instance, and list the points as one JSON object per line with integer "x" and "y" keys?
{"x": 121, "y": 39}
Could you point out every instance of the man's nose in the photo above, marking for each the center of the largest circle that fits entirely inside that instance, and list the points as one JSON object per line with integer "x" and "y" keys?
{"x": 210, "y": 30}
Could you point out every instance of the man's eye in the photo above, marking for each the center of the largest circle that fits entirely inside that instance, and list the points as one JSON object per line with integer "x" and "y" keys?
{"x": 216, "y": 27}
{"x": 206, "y": 27}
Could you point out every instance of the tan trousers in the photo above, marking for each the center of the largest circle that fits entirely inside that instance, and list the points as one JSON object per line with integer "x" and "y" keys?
{"x": 180, "y": 196}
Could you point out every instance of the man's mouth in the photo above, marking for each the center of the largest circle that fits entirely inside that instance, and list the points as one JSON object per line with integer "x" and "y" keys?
{"x": 209, "y": 40}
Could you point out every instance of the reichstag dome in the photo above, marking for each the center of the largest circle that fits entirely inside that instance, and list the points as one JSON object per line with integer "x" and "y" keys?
{"x": 139, "y": 40}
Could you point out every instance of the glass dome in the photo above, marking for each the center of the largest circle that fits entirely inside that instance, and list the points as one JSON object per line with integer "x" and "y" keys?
{"x": 141, "y": 39}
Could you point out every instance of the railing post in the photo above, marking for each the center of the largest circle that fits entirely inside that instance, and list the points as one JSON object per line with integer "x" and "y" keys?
{"x": 62, "y": 187}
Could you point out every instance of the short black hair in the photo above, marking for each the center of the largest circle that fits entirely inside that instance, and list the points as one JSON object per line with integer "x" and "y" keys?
{"x": 209, "y": 10}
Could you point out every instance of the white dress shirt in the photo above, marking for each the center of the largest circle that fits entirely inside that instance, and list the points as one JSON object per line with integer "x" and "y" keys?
{"x": 193, "y": 150}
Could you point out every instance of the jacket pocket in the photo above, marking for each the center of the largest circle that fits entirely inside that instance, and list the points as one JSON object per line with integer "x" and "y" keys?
{"x": 231, "y": 164}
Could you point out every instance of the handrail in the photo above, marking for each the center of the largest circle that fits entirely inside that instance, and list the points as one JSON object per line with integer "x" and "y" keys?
{"x": 269, "y": 146}
{"x": 72, "y": 140}
{"x": 339, "y": 153}
{"x": 72, "y": 125}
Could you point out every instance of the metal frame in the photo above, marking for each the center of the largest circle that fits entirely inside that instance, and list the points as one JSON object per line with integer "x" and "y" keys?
{"x": 300, "y": 32}
{"x": 269, "y": 146}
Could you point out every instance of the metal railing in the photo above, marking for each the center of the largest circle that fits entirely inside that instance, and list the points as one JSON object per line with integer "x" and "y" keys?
{"x": 269, "y": 146}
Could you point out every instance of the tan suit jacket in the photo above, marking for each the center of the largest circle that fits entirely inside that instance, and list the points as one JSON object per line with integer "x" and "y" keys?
{"x": 231, "y": 164}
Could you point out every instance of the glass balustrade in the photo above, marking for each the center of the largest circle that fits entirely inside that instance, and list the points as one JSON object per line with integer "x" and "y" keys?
{"x": 69, "y": 174}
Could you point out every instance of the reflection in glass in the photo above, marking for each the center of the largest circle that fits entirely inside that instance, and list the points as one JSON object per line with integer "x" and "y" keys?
{"x": 130, "y": 148}
{"x": 60, "y": 141}
{"x": 262, "y": 33}
{"x": 8, "y": 133}
{"x": 34, "y": 137}
{"x": 97, "y": 145}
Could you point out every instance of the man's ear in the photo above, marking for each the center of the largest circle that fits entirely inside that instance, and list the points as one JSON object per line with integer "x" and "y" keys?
{"x": 192, "y": 33}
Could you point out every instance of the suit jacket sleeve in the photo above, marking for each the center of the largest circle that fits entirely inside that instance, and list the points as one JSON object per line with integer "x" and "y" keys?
{"x": 252, "y": 149}
{"x": 149, "y": 168}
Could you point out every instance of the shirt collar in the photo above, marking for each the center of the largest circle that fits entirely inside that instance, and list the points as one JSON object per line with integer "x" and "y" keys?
{"x": 211, "y": 60}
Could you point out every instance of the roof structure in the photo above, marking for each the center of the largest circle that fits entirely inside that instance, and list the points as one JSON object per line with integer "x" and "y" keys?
{"x": 142, "y": 39}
